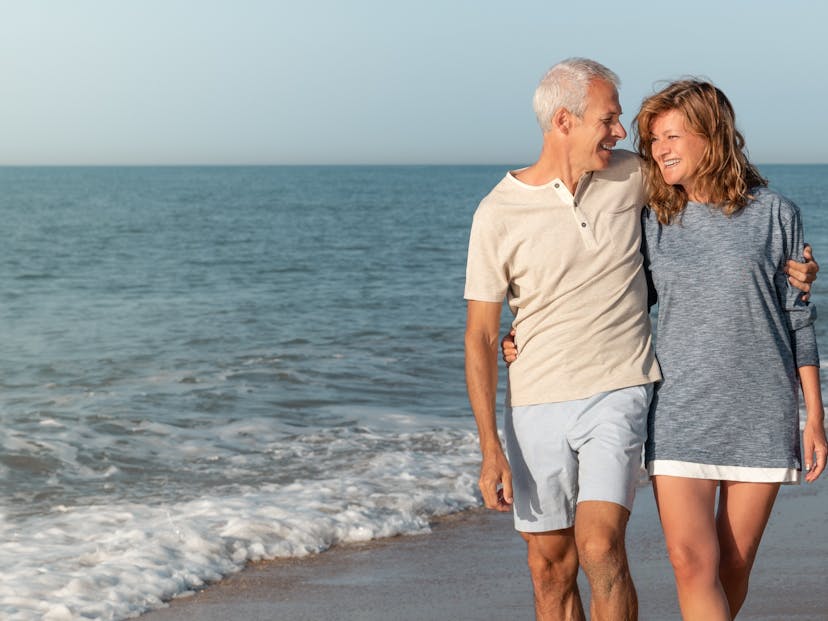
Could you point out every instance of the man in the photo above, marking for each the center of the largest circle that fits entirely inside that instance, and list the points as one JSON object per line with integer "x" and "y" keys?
{"x": 562, "y": 239}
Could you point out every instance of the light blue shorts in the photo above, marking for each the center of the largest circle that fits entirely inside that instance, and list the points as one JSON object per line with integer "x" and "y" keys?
{"x": 567, "y": 452}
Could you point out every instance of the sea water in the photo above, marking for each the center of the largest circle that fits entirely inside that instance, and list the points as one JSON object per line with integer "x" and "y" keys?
{"x": 202, "y": 367}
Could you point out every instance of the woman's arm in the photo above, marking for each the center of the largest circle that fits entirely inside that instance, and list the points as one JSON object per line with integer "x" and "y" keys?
{"x": 814, "y": 444}
{"x": 800, "y": 316}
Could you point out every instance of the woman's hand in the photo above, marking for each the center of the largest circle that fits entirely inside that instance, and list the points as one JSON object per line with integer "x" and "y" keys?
{"x": 815, "y": 448}
{"x": 508, "y": 349}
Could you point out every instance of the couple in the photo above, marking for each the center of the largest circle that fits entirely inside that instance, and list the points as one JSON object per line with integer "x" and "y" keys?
{"x": 563, "y": 240}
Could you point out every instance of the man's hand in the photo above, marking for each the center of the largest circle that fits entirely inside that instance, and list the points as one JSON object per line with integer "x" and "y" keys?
{"x": 496, "y": 481}
{"x": 508, "y": 349}
{"x": 801, "y": 275}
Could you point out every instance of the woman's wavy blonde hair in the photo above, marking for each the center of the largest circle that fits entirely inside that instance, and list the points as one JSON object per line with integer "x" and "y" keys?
{"x": 725, "y": 175}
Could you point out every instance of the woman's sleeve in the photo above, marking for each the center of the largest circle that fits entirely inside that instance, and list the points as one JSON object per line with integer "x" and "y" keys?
{"x": 652, "y": 294}
{"x": 800, "y": 315}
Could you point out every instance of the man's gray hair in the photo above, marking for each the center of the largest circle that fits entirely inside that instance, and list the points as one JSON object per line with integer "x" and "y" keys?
{"x": 566, "y": 86}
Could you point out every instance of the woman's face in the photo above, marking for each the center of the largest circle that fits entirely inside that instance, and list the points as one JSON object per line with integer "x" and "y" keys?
{"x": 677, "y": 151}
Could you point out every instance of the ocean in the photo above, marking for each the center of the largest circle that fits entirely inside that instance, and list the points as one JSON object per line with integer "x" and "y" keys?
{"x": 207, "y": 366}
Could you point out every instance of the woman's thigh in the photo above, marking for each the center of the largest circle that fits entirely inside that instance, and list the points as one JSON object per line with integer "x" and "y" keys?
{"x": 686, "y": 507}
{"x": 744, "y": 510}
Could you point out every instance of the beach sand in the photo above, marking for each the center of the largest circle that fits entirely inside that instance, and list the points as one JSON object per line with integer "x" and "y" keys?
{"x": 471, "y": 567}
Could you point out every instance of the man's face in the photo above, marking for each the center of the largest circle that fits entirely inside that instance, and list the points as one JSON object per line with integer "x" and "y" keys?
{"x": 594, "y": 136}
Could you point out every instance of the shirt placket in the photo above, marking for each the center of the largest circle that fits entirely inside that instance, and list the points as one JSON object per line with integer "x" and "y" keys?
{"x": 581, "y": 221}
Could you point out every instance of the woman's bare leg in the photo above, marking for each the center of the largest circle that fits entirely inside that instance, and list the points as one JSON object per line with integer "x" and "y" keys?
{"x": 744, "y": 510}
{"x": 687, "y": 510}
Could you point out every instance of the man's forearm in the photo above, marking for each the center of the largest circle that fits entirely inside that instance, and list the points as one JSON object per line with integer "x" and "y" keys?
{"x": 481, "y": 382}
{"x": 481, "y": 378}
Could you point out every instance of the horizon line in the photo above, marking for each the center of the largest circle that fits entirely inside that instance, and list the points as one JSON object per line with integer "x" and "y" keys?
{"x": 321, "y": 165}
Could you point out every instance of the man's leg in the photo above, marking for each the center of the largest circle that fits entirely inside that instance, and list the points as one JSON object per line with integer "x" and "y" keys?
{"x": 553, "y": 563}
{"x": 600, "y": 528}
{"x": 608, "y": 437}
{"x": 544, "y": 478}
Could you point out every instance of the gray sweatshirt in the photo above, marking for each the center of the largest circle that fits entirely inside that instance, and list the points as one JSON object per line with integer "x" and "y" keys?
{"x": 731, "y": 332}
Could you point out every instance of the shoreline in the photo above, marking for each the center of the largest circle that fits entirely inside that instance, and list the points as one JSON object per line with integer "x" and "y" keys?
{"x": 472, "y": 566}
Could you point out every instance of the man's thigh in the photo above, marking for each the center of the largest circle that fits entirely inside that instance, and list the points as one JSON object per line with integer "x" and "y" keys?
{"x": 608, "y": 438}
{"x": 598, "y": 520}
{"x": 564, "y": 452}
{"x": 544, "y": 467}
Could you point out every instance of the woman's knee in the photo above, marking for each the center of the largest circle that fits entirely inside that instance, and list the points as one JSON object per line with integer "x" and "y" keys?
{"x": 735, "y": 564}
{"x": 692, "y": 563}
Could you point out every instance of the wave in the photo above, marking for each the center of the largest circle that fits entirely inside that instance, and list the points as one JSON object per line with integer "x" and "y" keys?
{"x": 110, "y": 561}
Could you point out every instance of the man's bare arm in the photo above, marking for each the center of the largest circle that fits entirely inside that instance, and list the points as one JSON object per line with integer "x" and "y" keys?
{"x": 482, "y": 326}
{"x": 801, "y": 275}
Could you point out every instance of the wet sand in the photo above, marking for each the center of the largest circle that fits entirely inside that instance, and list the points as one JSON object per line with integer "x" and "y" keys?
{"x": 471, "y": 567}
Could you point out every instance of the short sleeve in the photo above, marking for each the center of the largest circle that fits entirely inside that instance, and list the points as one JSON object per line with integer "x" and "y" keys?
{"x": 487, "y": 278}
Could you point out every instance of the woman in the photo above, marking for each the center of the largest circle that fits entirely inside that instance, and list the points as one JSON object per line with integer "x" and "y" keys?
{"x": 735, "y": 341}
{"x": 734, "y": 345}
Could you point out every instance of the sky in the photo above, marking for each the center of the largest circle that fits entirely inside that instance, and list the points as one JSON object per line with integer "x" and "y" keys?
{"x": 143, "y": 82}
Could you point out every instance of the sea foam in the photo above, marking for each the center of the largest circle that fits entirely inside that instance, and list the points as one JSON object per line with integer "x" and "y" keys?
{"x": 114, "y": 561}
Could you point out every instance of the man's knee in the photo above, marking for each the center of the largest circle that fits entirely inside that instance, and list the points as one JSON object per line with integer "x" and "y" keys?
{"x": 552, "y": 559}
{"x": 600, "y": 530}
{"x": 602, "y": 550}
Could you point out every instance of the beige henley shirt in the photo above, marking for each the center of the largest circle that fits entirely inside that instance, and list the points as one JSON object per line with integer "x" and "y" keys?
{"x": 571, "y": 269}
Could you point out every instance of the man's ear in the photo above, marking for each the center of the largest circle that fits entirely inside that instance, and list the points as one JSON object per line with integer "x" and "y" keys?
{"x": 562, "y": 120}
